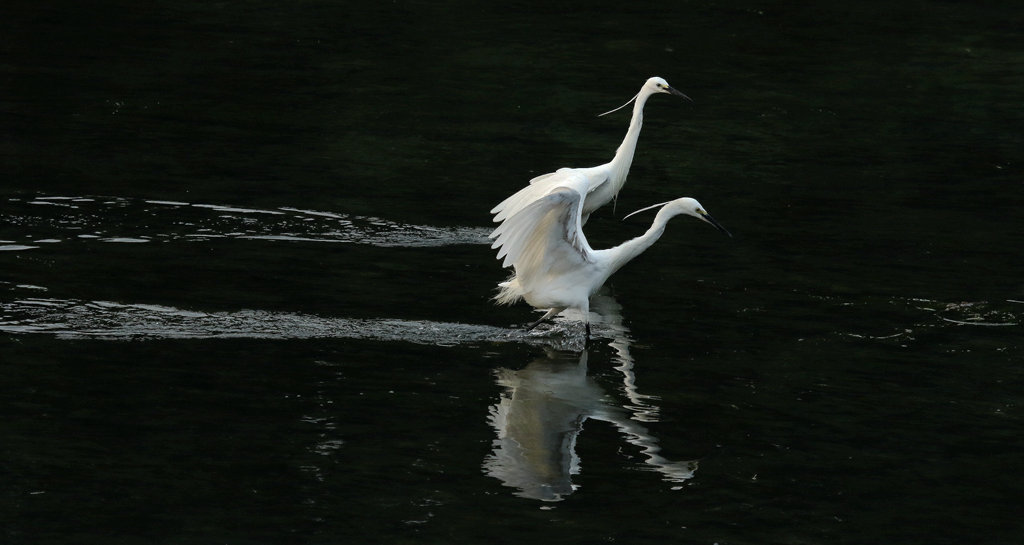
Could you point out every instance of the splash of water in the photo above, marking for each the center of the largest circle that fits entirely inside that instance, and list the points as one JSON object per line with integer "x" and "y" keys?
{"x": 71, "y": 319}
{"x": 56, "y": 219}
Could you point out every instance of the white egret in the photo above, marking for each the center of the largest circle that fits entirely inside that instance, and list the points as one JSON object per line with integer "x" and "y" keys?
{"x": 603, "y": 181}
{"x": 555, "y": 267}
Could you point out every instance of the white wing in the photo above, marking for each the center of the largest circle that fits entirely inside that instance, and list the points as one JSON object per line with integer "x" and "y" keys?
{"x": 546, "y": 236}
{"x": 539, "y": 187}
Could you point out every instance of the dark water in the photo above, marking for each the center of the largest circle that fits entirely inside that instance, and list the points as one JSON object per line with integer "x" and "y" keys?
{"x": 244, "y": 294}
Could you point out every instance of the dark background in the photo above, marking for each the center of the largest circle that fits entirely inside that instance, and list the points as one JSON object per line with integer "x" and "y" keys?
{"x": 245, "y": 292}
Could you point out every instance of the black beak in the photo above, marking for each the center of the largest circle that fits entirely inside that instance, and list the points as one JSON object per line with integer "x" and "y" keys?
{"x": 707, "y": 217}
{"x": 674, "y": 91}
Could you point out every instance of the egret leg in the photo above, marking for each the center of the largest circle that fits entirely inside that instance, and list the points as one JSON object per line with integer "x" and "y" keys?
{"x": 585, "y": 309}
{"x": 550, "y": 313}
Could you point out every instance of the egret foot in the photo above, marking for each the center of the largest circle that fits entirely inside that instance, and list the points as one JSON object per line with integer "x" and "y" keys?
{"x": 538, "y": 322}
{"x": 551, "y": 313}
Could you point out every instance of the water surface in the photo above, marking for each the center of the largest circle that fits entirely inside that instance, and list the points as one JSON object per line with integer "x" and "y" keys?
{"x": 245, "y": 285}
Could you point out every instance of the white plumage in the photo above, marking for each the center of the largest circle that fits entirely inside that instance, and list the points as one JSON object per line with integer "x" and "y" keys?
{"x": 603, "y": 182}
{"x": 555, "y": 267}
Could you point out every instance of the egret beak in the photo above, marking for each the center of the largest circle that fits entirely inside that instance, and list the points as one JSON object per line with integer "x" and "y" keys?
{"x": 707, "y": 217}
{"x": 676, "y": 92}
{"x": 646, "y": 209}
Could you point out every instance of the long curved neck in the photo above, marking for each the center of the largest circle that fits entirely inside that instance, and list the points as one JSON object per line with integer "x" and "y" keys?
{"x": 624, "y": 154}
{"x": 625, "y": 252}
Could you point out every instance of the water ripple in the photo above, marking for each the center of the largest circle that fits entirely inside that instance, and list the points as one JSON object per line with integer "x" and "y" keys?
{"x": 54, "y": 219}
{"x": 908, "y": 317}
{"x": 70, "y": 319}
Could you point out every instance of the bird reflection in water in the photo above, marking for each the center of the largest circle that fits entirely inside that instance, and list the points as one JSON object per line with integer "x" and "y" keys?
{"x": 540, "y": 415}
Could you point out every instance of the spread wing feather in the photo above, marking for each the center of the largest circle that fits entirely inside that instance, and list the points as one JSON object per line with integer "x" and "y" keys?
{"x": 539, "y": 187}
{"x": 546, "y": 235}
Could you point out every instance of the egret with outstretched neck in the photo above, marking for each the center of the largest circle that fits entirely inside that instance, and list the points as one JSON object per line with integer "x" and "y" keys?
{"x": 603, "y": 181}
{"x": 555, "y": 267}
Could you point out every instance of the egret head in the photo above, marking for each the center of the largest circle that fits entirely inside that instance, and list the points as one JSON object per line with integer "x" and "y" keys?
{"x": 652, "y": 86}
{"x": 687, "y": 206}
{"x": 659, "y": 85}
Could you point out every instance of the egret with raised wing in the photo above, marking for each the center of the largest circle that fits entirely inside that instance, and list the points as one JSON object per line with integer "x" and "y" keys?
{"x": 555, "y": 267}
{"x": 603, "y": 181}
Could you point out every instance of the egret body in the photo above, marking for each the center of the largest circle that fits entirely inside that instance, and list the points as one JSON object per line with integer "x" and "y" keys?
{"x": 603, "y": 182}
{"x": 555, "y": 267}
